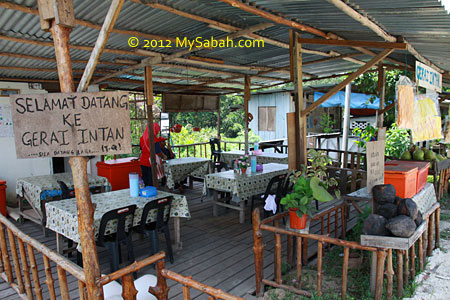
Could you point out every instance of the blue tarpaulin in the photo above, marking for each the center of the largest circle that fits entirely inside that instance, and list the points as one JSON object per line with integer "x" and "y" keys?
{"x": 357, "y": 100}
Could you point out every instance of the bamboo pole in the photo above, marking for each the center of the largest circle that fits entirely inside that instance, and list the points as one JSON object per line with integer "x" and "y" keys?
{"x": 26, "y": 270}
{"x": 289, "y": 250}
{"x": 258, "y": 250}
{"x": 319, "y": 267}
{"x": 62, "y": 279}
{"x": 412, "y": 252}
{"x": 277, "y": 259}
{"x": 246, "y": 100}
{"x": 430, "y": 233}
{"x": 420, "y": 250}
{"x": 49, "y": 278}
{"x": 381, "y": 256}
{"x": 399, "y": 273}
{"x": 5, "y": 255}
{"x": 129, "y": 291}
{"x": 186, "y": 293}
{"x": 82, "y": 290}
{"x": 299, "y": 263}
{"x": 15, "y": 256}
{"x": 406, "y": 273}
{"x": 390, "y": 275}
{"x": 34, "y": 272}
{"x": 344, "y": 273}
{"x": 436, "y": 227}
{"x": 161, "y": 290}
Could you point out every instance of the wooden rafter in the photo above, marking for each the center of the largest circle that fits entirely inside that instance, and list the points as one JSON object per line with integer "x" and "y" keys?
{"x": 346, "y": 81}
{"x": 348, "y": 43}
{"x": 103, "y": 36}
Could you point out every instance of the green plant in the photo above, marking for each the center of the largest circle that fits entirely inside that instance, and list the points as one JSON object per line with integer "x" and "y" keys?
{"x": 319, "y": 161}
{"x": 365, "y": 135}
{"x": 397, "y": 141}
{"x": 326, "y": 123}
{"x": 305, "y": 190}
{"x": 243, "y": 162}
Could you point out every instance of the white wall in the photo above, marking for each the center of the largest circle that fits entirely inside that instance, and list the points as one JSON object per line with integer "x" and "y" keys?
{"x": 12, "y": 168}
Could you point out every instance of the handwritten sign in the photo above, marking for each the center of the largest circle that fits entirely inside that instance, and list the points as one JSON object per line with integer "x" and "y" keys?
{"x": 71, "y": 124}
{"x": 375, "y": 163}
{"x": 428, "y": 77}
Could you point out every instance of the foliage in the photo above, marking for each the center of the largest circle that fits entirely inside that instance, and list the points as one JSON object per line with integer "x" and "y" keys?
{"x": 397, "y": 141}
{"x": 243, "y": 162}
{"x": 326, "y": 123}
{"x": 319, "y": 161}
{"x": 305, "y": 190}
{"x": 365, "y": 135}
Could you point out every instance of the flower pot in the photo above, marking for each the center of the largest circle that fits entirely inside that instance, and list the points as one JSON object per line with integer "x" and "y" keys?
{"x": 243, "y": 170}
{"x": 295, "y": 221}
{"x": 196, "y": 129}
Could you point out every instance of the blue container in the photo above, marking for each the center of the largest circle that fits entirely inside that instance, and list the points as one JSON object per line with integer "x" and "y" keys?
{"x": 148, "y": 191}
{"x": 253, "y": 163}
{"x": 134, "y": 184}
{"x": 256, "y": 147}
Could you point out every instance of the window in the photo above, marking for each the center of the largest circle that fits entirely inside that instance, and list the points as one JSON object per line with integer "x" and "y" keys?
{"x": 267, "y": 118}
{"x": 7, "y": 92}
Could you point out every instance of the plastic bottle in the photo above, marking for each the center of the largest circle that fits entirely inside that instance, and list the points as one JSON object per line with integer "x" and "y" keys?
{"x": 253, "y": 163}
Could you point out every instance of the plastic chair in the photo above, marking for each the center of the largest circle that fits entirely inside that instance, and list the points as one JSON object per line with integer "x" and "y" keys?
{"x": 215, "y": 149}
{"x": 113, "y": 241}
{"x": 151, "y": 229}
{"x": 279, "y": 180}
{"x": 66, "y": 193}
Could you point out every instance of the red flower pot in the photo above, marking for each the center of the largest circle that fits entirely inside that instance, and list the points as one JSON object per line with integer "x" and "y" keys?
{"x": 295, "y": 221}
{"x": 196, "y": 129}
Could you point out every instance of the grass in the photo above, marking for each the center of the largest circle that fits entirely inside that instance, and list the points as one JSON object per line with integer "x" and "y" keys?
{"x": 445, "y": 201}
{"x": 445, "y": 234}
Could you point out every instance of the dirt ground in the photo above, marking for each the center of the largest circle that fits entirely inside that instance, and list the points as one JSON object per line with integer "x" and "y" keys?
{"x": 434, "y": 282}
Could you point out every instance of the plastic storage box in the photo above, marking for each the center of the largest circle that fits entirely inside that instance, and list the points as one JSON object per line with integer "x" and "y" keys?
{"x": 3, "y": 197}
{"x": 117, "y": 171}
{"x": 403, "y": 178}
{"x": 422, "y": 174}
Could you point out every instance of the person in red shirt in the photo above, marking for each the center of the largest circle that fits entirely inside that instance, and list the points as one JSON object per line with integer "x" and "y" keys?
{"x": 146, "y": 167}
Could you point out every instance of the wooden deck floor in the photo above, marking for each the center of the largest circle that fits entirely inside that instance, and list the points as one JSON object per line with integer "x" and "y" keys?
{"x": 216, "y": 251}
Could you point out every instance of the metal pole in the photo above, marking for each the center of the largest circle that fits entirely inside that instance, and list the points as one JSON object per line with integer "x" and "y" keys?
{"x": 348, "y": 92}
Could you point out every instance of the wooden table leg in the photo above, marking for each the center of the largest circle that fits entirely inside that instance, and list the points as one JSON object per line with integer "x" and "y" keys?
{"x": 399, "y": 273}
{"x": 242, "y": 212}
{"x": 178, "y": 245}
{"x": 214, "y": 203}
{"x": 437, "y": 221}
{"x": 381, "y": 257}
{"x": 59, "y": 244}
{"x": 430, "y": 234}
{"x": 390, "y": 275}
{"x": 21, "y": 199}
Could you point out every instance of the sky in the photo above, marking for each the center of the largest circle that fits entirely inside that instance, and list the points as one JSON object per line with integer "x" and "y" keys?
{"x": 446, "y": 4}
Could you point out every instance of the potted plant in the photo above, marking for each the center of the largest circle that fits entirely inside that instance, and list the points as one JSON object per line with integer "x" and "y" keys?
{"x": 243, "y": 164}
{"x": 299, "y": 201}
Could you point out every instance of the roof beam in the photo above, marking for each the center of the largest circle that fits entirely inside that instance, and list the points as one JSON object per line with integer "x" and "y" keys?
{"x": 379, "y": 31}
{"x": 167, "y": 58}
{"x": 346, "y": 81}
{"x": 352, "y": 43}
{"x": 103, "y": 36}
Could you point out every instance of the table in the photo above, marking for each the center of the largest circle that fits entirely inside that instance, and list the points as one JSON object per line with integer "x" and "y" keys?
{"x": 62, "y": 215}
{"x": 230, "y": 156}
{"x": 177, "y": 170}
{"x": 38, "y": 190}
{"x": 241, "y": 186}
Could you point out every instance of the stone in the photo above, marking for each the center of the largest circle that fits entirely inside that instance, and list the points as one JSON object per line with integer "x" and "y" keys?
{"x": 388, "y": 210}
{"x": 383, "y": 193}
{"x": 401, "y": 226}
{"x": 408, "y": 208}
{"x": 375, "y": 225}
{"x": 419, "y": 218}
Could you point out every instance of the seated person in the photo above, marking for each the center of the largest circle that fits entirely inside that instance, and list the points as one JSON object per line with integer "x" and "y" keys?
{"x": 166, "y": 149}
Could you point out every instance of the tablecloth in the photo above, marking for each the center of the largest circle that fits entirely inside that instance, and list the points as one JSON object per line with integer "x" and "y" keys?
{"x": 230, "y": 156}
{"x": 243, "y": 186}
{"x": 177, "y": 170}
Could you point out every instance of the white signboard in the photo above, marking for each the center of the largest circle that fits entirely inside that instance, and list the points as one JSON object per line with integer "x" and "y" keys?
{"x": 71, "y": 124}
{"x": 428, "y": 78}
{"x": 6, "y": 124}
{"x": 375, "y": 164}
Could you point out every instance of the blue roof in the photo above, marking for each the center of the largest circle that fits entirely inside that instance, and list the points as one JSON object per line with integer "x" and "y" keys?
{"x": 357, "y": 100}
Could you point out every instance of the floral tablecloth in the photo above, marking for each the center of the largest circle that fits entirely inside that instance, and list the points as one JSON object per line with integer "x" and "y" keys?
{"x": 179, "y": 169}
{"x": 38, "y": 188}
{"x": 230, "y": 156}
{"x": 62, "y": 215}
{"x": 243, "y": 186}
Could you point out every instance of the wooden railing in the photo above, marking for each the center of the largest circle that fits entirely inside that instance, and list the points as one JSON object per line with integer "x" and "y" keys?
{"x": 18, "y": 274}
{"x": 405, "y": 266}
{"x": 204, "y": 149}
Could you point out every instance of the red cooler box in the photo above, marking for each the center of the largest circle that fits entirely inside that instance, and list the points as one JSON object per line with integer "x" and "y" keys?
{"x": 422, "y": 174}
{"x": 403, "y": 178}
{"x": 117, "y": 171}
{"x": 3, "y": 197}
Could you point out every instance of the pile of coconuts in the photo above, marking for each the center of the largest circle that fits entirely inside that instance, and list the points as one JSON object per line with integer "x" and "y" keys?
{"x": 392, "y": 215}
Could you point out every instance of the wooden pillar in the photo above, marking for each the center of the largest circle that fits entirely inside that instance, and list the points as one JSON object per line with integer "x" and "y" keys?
{"x": 300, "y": 120}
{"x": 258, "y": 250}
{"x": 60, "y": 28}
{"x": 149, "y": 94}
{"x": 381, "y": 257}
{"x": 218, "y": 123}
{"x": 381, "y": 93}
{"x": 246, "y": 100}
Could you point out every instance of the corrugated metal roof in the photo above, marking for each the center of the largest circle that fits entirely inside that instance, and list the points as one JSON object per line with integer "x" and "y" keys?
{"x": 424, "y": 24}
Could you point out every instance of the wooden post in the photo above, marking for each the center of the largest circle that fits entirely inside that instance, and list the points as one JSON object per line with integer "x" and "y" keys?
{"x": 406, "y": 273}
{"x": 420, "y": 250}
{"x": 299, "y": 263}
{"x": 246, "y": 100}
{"x": 344, "y": 273}
{"x": 300, "y": 120}
{"x": 430, "y": 233}
{"x": 277, "y": 259}
{"x": 15, "y": 256}
{"x": 49, "y": 278}
{"x": 437, "y": 217}
{"x": 218, "y": 124}
{"x": 26, "y": 269}
{"x": 258, "y": 250}
{"x": 289, "y": 250}
{"x": 412, "y": 252}
{"x": 5, "y": 255}
{"x": 381, "y": 257}
{"x": 381, "y": 93}
{"x": 319, "y": 267}
{"x": 399, "y": 273}
{"x": 390, "y": 275}
{"x": 149, "y": 94}
{"x": 161, "y": 290}
{"x": 34, "y": 272}
{"x": 129, "y": 291}
{"x": 61, "y": 26}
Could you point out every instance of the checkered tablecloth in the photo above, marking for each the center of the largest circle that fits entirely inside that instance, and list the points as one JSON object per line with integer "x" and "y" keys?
{"x": 177, "y": 170}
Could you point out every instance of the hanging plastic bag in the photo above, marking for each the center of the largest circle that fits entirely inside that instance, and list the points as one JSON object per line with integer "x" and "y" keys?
{"x": 427, "y": 118}
{"x": 404, "y": 102}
